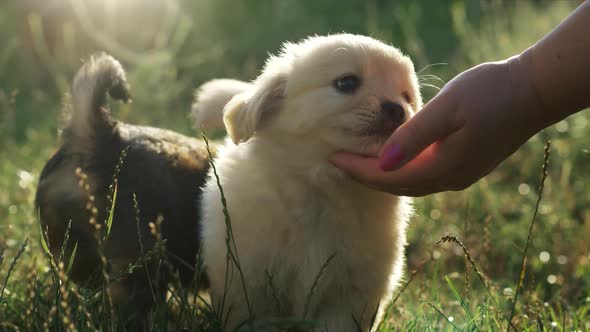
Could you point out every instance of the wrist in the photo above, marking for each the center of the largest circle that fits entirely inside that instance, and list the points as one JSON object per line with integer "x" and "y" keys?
{"x": 526, "y": 99}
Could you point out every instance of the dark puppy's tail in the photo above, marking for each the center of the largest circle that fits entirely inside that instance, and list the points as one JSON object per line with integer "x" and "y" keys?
{"x": 100, "y": 75}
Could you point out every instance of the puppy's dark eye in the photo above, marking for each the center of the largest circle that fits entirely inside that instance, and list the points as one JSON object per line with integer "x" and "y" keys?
{"x": 347, "y": 84}
{"x": 407, "y": 97}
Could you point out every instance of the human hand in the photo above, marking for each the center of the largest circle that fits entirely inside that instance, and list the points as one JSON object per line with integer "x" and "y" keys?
{"x": 476, "y": 121}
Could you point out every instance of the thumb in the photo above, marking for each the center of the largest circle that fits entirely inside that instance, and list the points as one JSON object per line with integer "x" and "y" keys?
{"x": 435, "y": 121}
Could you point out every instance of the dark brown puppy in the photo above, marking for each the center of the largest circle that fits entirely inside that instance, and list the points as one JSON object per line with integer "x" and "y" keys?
{"x": 165, "y": 171}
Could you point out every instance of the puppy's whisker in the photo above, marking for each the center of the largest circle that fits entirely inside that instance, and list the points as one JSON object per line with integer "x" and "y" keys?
{"x": 429, "y": 77}
{"x": 366, "y": 117}
{"x": 430, "y": 86}
{"x": 432, "y": 65}
{"x": 371, "y": 145}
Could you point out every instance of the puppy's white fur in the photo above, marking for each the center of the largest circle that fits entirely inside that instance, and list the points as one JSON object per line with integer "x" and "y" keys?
{"x": 291, "y": 210}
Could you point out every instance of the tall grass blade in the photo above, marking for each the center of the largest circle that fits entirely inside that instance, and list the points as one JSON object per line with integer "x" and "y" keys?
{"x": 66, "y": 239}
{"x": 43, "y": 241}
{"x": 273, "y": 291}
{"x": 230, "y": 241}
{"x": 399, "y": 293}
{"x": 442, "y": 314}
{"x": 315, "y": 284}
{"x": 528, "y": 239}
{"x": 141, "y": 245}
{"x": 455, "y": 239}
{"x": 72, "y": 258}
{"x": 112, "y": 211}
{"x": 12, "y": 265}
{"x": 459, "y": 298}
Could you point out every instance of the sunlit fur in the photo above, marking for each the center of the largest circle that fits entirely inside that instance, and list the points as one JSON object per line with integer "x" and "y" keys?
{"x": 290, "y": 209}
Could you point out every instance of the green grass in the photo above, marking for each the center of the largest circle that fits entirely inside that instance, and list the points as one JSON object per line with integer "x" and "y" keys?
{"x": 467, "y": 281}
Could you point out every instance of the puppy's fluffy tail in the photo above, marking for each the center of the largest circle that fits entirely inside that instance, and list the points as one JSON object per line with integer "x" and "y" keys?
{"x": 211, "y": 98}
{"x": 100, "y": 75}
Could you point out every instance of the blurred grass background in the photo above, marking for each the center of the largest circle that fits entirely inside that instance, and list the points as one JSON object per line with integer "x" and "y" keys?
{"x": 169, "y": 47}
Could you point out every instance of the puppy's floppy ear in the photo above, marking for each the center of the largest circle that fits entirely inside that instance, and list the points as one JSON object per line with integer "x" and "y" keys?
{"x": 244, "y": 113}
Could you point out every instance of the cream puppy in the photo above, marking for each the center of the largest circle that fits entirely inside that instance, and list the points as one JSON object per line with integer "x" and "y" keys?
{"x": 311, "y": 242}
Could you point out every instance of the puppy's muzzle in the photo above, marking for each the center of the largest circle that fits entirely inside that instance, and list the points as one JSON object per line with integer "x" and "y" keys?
{"x": 393, "y": 112}
{"x": 388, "y": 119}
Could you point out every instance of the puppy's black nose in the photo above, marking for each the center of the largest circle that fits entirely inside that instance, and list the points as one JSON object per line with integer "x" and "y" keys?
{"x": 393, "y": 111}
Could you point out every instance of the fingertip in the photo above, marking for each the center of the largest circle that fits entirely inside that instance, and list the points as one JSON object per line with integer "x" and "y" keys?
{"x": 340, "y": 159}
{"x": 391, "y": 158}
{"x": 431, "y": 124}
{"x": 357, "y": 166}
{"x": 350, "y": 161}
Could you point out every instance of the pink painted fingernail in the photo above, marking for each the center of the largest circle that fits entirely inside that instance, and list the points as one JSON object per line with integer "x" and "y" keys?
{"x": 391, "y": 158}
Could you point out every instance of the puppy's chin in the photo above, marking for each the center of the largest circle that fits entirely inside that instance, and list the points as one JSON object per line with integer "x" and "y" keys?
{"x": 367, "y": 141}
{"x": 366, "y": 146}
{"x": 373, "y": 148}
